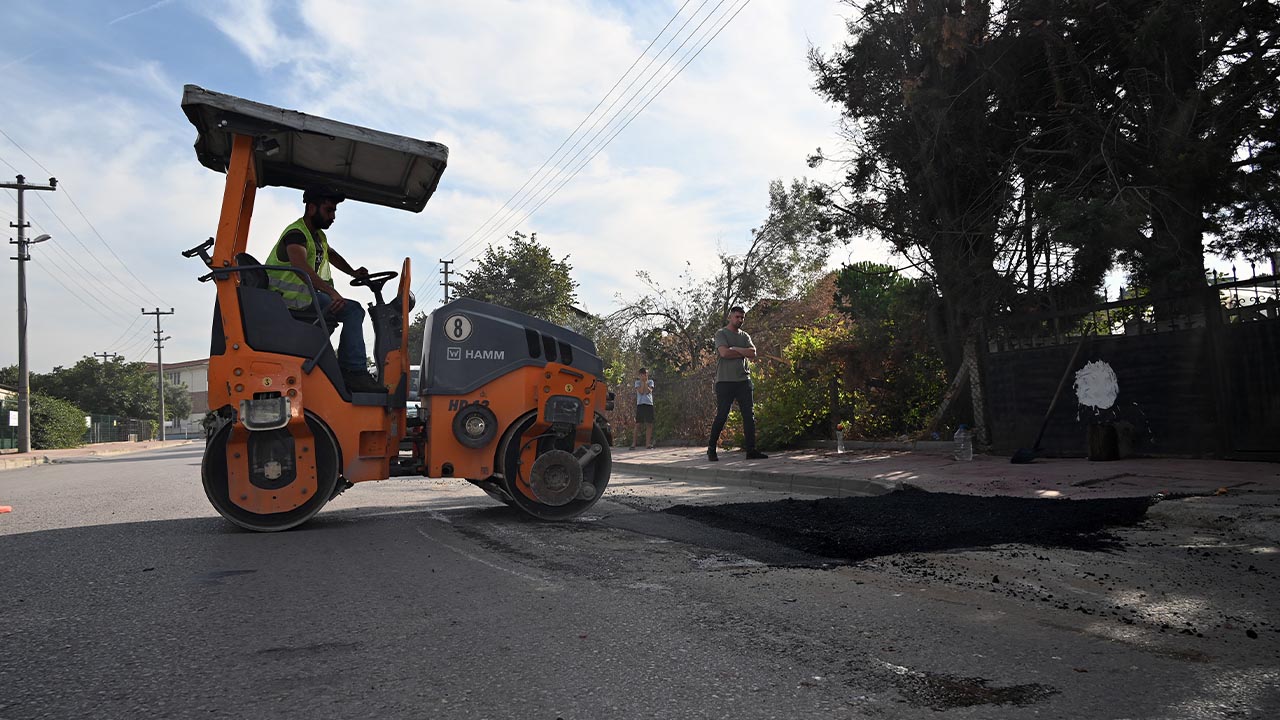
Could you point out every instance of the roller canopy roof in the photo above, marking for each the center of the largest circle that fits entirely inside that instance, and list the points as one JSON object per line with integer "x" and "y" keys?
{"x": 297, "y": 150}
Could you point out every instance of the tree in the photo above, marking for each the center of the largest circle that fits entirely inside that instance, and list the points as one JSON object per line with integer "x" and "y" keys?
{"x": 103, "y": 388}
{"x": 413, "y": 343}
{"x": 787, "y": 252}
{"x": 678, "y": 325}
{"x": 177, "y": 401}
{"x": 930, "y": 146}
{"x": 522, "y": 276}
{"x": 892, "y": 369}
{"x": 55, "y": 423}
{"x": 1171, "y": 111}
{"x": 786, "y": 255}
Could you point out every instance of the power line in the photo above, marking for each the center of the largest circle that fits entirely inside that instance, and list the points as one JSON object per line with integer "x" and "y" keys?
{"x": 87, "y": 251}
{"x": 466, "y": 243}
{"x": 115, "y": 342}
{"x": 637, "y": 113}
{"x": 83, "y": 217}
{"x": 138, "y": 348}
{"x": 50, "y": 269}
{"x": 569, "y": 137}
{"x": 531, "y": 197}
{"x": 578, "y": 145}
{"x": 86, "y": 283}
{"x": 691, "y": 55}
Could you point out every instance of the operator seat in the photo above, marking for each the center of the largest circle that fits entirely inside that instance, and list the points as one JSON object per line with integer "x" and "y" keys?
{"x": 270, "y": 326}
{"x": 254, "y": 275}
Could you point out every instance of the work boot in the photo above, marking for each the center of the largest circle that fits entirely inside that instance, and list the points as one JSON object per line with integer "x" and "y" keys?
{"x": 360, "y": 381}
{"x": 711, "y": 455}
{"x": 756, "y": 455}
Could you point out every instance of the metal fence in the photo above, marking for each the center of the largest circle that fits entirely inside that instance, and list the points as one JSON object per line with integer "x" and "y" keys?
{"x": 113, "y": 428}
{"x": 1238, "y": 301}
{"x": 98, "y": 428}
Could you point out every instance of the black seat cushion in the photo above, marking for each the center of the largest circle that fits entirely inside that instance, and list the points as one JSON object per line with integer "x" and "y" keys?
{"x": 252, "y": 277}
{"x": 257, "y": 278}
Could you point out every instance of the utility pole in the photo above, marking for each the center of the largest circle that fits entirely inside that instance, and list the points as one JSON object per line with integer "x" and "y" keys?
{"x": 159, "y": 361}
{"x": 445, "y": 272}
{"x": 105, "y": 355}
{"x": 24, "y": 255}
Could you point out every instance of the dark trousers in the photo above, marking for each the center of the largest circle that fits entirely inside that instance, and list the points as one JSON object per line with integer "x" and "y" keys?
{"x": 726, "y": 394}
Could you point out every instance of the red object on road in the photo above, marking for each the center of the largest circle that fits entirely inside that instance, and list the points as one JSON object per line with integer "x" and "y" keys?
{"x": 5, "y": 508}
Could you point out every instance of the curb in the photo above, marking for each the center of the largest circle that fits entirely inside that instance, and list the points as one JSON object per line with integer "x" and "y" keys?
{"x": 915, "y": 445}
{"x": 14, "y": 461}
{"x": 827, "y": 485}
{"x": 28, "y": 460}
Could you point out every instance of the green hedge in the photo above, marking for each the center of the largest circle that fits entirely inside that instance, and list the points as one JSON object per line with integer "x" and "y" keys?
{"x": 55, "y": 423}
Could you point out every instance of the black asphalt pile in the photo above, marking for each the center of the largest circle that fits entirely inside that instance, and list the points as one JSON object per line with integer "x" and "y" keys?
{"x": 913, "y": 520}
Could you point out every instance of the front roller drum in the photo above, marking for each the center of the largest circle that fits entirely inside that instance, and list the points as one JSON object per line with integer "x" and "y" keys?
{"x": 216, "y": 482}
{"x": 564, "y": 480}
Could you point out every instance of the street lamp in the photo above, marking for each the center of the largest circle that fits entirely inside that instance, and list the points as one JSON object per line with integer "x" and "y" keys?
{"x": 24, "y": 377}
{"x": 24, "y": 371}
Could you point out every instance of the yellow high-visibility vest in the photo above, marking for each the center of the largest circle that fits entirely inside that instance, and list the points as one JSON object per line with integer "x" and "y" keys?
{"x": 290, "y": 284}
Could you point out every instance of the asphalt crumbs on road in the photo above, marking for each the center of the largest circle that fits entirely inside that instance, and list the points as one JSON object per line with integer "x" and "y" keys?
{"x": 911, "y": 520}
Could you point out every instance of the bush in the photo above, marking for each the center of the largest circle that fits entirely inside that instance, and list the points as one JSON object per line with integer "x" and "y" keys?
{"x": 55, "y": 423}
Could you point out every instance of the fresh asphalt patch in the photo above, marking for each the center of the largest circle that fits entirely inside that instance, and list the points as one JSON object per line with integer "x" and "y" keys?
{"x": 911, "y": 520}
{"x": 747, "y": 544}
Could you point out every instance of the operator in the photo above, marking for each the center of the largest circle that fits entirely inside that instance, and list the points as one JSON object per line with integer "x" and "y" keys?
{"x": 304, "y": 246}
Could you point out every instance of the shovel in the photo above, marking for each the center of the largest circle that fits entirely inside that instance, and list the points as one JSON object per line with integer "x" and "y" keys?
{"x": 1023, "y": 455}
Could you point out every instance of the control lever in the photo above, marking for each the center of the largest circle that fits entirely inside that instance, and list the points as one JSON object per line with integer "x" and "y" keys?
{"x": 202, "y": 250}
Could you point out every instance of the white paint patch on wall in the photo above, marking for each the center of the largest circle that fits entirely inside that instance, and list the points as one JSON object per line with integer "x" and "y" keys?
{"x": 1096, "y": 385}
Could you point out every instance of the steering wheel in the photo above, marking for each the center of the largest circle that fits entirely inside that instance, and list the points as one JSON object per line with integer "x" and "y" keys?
{"x": 375, "y": 281}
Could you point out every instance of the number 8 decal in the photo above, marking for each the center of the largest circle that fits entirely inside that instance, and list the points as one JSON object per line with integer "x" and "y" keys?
{"x": 457, "y": 327}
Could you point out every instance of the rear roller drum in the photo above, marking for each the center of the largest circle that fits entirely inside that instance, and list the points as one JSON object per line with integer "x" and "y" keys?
{"x": 214, "y": 474}
{"x": 565, "y": 480}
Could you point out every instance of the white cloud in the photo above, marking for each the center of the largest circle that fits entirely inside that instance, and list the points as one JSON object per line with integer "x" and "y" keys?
{"x": 501, "y": 82}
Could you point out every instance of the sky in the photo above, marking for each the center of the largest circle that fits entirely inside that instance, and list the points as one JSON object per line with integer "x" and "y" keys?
{"x": 90, "y": 94}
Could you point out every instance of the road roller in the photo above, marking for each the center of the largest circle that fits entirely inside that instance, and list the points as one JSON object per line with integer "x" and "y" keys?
{"x": 511, "y": 403}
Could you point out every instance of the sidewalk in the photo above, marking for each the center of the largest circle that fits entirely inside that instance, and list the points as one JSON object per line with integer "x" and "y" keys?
{"x": 881, "y": 471}
{"x": 877, "y": 472}
{"x": 10, "y": 461}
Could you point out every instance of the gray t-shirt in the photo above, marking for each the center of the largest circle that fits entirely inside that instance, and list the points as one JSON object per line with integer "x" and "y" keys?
{"x": 732, "y": 369}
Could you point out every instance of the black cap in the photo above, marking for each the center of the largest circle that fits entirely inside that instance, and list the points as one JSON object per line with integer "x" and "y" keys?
{"x": 316, "y": 193}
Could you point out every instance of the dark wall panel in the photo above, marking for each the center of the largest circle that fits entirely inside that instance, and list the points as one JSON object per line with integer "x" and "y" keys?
{"x": 1166, "y": 394}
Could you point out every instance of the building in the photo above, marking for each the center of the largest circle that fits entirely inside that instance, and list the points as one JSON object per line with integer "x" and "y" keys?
{"x": 194, "y": 374}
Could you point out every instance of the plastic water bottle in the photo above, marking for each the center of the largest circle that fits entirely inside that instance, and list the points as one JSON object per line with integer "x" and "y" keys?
{"x": 963, "y": 443}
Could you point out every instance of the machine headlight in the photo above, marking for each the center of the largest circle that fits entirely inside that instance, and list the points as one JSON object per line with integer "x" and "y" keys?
{"x": 265, "y": 413}
{"x": 564, "y": 409}
{"x": 475, "y": 426}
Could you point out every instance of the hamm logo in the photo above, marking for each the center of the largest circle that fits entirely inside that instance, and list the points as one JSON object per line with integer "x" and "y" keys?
{"x": 486, "y": 354}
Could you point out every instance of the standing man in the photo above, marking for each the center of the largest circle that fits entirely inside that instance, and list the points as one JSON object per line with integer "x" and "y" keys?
{"x": 733, "y": 383}
{"x": 644, "y": 409}
{"x": 303, "y": 245}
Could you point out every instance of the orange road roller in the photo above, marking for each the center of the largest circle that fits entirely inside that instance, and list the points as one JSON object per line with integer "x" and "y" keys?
{"x": 506, "y": 401}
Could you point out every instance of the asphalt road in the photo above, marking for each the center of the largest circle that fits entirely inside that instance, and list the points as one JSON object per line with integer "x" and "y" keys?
{"x": 123, "y": 595}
